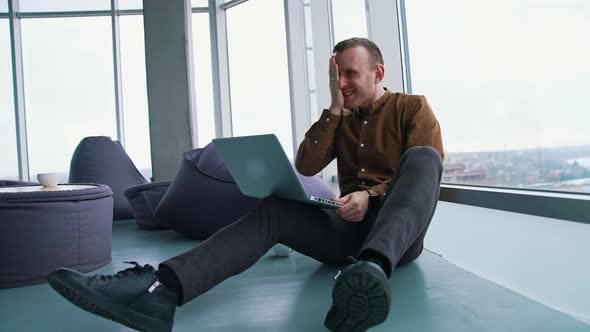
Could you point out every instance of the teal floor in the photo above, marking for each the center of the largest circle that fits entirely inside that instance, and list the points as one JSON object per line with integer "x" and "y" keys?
{"x": 293, "y": 294}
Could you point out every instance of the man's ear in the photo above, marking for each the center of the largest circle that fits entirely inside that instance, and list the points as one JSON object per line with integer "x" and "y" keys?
{"x": 379, "y": 73}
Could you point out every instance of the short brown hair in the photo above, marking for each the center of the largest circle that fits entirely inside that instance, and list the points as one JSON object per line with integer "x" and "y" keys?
{"x": 369, "y": 45}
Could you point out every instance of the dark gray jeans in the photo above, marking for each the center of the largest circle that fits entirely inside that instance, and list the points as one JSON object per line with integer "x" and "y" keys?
{"x": 394, "y": 229}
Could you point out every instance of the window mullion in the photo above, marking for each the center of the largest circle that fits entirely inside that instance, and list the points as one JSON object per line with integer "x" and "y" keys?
{"x": 297, "y": 72}
{"x": 117, "y": 74}
{"x": 383, "y": 28}
{"x": 220, "y": 72}
{"x": 18, "y": 87}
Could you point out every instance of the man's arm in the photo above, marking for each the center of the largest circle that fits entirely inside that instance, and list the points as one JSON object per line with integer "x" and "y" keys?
{"x": 317, "y": 149}
{"x": 422, "y": 129}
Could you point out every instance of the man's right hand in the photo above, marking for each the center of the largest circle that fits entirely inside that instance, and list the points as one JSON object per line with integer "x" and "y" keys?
{"x": 337, "y": 104}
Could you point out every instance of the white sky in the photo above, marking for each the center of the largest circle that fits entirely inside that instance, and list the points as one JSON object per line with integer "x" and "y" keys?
{"x": 503, "y": 74}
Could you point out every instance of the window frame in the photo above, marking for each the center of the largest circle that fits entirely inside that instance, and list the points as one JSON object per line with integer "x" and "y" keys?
{"x": 551, "y": 204}
{"x": 543, "y": 203}
{"x": 15, "y": 17}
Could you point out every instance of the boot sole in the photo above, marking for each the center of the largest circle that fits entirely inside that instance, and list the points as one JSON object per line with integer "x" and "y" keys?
{"x": 98, "y": 304}
{"x": 360, "y": 302}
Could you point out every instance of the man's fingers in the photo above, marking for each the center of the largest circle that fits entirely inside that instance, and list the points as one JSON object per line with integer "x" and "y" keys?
{"x": 341, "y": 200}
{"x": 344, "y": 210}
{"x": 353, "y": 218}
{"x": 332, "y": 69}
{"x": 338, "y": 200}
{"x": 352, "y": 213}
{"x": 354, "y": 207}
{"x": 348, "y": 208}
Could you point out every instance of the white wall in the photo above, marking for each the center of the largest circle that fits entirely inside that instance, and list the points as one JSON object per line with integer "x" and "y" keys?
{"x": 544, "y": 259}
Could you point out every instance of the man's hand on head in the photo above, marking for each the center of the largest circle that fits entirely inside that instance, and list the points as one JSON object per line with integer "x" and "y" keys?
{"x": 337, "y": 103}
{"x": 354, "y": 206}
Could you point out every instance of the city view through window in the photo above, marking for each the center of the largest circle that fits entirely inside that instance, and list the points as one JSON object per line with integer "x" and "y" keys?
{"x": 508, "y": 82}
{"x": 559, "y": 168}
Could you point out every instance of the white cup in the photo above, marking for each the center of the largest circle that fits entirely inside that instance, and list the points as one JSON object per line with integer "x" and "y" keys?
{"x": 281, "y": 250}
{"x": 48, "y": 179}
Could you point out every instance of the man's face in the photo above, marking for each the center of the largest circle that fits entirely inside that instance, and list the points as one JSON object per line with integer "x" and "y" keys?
{"x": 359, "y": 77}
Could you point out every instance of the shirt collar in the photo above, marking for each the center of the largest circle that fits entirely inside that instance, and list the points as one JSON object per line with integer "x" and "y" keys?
{"x": 378, "y": 103}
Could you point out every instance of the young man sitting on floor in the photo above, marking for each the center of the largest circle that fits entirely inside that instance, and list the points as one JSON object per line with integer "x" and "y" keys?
{"x": 388, "y": 147}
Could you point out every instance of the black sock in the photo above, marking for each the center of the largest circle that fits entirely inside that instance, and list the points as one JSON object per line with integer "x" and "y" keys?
{"x": 167, "y": 277}
{"x": 376, "y": 261}
{"x": 377, "y": 258}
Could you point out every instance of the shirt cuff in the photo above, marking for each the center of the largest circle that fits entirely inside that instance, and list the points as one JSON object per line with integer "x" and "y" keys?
{"x": 380, "y": 190}
{"x": 328, "y": 120}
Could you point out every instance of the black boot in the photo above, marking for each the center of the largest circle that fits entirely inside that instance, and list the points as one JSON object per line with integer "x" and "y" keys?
{"x": 132, "y": 297}
{"x": 361, "y": 298}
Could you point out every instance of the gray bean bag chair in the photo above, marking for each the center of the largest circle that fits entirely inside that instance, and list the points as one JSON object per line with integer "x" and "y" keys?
{"x": 196, "y": 203}
{"x": 203, "y": 197}
{"x": 44, "y": 230}
{"x": 16, "y": 183}
{"x": 144, "y": 200}
{"x": 102, "y": 160}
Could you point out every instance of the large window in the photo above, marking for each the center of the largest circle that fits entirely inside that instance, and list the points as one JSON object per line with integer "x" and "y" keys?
{"x": 134, "y": 89}
{"x": 508, "y": 81}
{"x": 350, "y": 19}
{"x": 69, "y": 87}
{"x": 258, "y": 67}
{"x": 203, "y": 78}
{"x": 63, "y": 5}
{"x": 8, "y": 157}
{"x": 310, "y": 60}
{"x": 130, "y": 4}
{"x": 199, "y": 3}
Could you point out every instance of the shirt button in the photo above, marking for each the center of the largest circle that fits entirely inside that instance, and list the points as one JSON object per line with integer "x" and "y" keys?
{"x": 327, "y": 119}
{"x": 362, "y": 145}
{"x": 363, "y": 183}
{"x": 362, "y": 170}
{"x": 365, "y": 122}
{"x": 316, "y": 142}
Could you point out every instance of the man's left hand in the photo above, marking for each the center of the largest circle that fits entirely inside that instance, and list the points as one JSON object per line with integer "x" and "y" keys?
{"x": 354, "y": 206}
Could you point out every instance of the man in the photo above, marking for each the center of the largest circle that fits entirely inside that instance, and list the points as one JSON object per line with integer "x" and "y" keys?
{"x": 388, "y": 146}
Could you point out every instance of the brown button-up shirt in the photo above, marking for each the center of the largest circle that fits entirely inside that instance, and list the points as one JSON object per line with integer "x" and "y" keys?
{"x": 369, "y": 143}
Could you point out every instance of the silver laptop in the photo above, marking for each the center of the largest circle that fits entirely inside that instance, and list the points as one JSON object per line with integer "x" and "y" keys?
{"x": 261, "y": 168}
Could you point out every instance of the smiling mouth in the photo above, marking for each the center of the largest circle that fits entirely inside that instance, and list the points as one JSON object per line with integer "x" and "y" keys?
{"x": 348, "y": 94}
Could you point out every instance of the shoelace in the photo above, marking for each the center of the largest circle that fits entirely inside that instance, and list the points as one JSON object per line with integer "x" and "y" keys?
{"x": 348, "y": 260}
{"x": 135, "y": 270}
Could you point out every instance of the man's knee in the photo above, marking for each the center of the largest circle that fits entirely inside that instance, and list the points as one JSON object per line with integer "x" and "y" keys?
{"x": 423, "y": 155}
{"x": 423, "y": 152}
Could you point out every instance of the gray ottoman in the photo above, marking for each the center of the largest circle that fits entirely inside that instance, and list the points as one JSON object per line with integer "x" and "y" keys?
{"x": 45, "y": 228}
